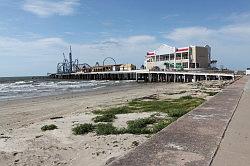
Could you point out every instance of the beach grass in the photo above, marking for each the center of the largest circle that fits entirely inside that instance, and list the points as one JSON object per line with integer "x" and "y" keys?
{"x": 162, "y": 124}
{"x": 107, "y": 129}
{"x": 139, "y": 126}
{"x": 49, "y": 127}
{"x": 108, "y": 117}
{"x": 176, "y": 93}
{"x": 180, "y": 106}
{"x": 174, "y": 108}
{"x": 115, "y": 110}
{"x": 211, "y": 93}
{"x": 81, "y": 129}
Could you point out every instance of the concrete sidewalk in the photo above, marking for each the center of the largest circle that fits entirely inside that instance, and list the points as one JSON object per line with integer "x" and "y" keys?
{"x": 194, "y": 138}
{"x": 235, "y": 146}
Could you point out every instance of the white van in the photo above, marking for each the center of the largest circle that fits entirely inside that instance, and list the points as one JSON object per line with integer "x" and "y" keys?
{"x": 248, "y": 71}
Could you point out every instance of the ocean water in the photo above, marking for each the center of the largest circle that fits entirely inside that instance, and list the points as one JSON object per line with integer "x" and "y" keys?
{"x": 28, "y": 87}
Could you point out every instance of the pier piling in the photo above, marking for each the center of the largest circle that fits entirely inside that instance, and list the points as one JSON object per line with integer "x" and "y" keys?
{"x": 147, "y": 76}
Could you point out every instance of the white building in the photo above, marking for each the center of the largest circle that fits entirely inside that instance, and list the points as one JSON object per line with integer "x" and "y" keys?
{"x": 167, "y": 58}
{"x": 248, "y": 71}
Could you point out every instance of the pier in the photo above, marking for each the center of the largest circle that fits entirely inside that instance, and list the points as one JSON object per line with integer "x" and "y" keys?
{"x": 148, "y": 76}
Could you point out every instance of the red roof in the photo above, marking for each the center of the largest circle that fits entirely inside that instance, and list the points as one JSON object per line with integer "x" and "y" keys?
{"x": 182, "y": 49}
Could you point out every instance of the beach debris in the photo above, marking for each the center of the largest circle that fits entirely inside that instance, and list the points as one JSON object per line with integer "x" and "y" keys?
{"x": 150, "y": 97}
{"x": 135, "y": 143}
{"x": 49, "y": 127}
{"x": 5, "y": 137}
{"x": 56, "y": 117}
{"x": 38, "y": 136}
{"x": 15, "y": 153}
{"x": 110, "y": 160}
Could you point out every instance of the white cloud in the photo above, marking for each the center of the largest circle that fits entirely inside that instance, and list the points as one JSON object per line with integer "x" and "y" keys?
{"x": 45, "y": 8}
{"x": 237, "y": 31}
{"x": 39, "y": 56}
{"x": 170, "y": 16}
{"x": 229, "y": 43}
{"x": 140, "y": 39}
{"x": 204, "y": 34}
{"x": 238, "y": 17}
{"x": 189, "y": 33}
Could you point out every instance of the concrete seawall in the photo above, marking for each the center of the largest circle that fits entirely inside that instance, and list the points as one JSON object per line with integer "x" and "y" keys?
{"x": 191, "y": 140}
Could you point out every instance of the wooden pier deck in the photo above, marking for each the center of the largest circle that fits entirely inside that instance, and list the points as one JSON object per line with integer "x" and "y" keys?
{"x": 148, "y": 76}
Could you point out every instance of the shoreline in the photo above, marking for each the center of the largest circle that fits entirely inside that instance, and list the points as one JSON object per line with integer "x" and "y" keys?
{"x": 69, "y": 94}
{"x": 21, "y": 123}
{"x": 33, "y": 106}
{"x": 70, "y": 91}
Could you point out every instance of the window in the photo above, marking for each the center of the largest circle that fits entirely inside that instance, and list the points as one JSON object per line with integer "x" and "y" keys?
{"x": 185, "y": 65}
{"x": 178, "y": 65}
{"x": 185, "y": 55}
{"x": 171, "y": 56}
{"x": 162, "y": 57}
{"x": 167, "y": 65}
{"x": 153, "y": 59}
{"x": 190, "y": 51}
{"x": 178, "y": 56}
{"x": 192, "y": 65}
{"x": 157, "y": 58}
{"x": 167, "y": 57}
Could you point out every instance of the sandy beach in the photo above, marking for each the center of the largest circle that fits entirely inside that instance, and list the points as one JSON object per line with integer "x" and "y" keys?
{"x": 23, "y": 143}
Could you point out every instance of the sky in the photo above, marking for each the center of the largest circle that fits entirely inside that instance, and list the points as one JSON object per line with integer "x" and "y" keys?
{"x": 34, "y": 34}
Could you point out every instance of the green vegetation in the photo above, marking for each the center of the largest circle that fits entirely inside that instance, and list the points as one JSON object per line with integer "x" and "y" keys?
{"x": 176, "y": 93}
{"x": 174, "y": 108}
{"x": 185, "y": 97}
{"x": 115, "y": 110}
{"x": 104, "y": 118}
{"x": 83, "y": 128}
{"x": 48, "y": 127}
{"x": 180, "y": 106}
{"x": 149, "y": 125}
{"x": 139, "y": 126}
{"x": 211, "y": 93}
{"x": 107, "y": 129}
{"x": 162, "y": 124}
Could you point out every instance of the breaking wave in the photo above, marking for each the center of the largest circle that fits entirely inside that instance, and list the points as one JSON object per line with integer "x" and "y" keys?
{"x": 35, "y": 88}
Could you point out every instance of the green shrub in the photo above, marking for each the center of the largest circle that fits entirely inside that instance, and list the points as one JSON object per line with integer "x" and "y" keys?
{"x": 177, "y": 113}
{"x": 115, "y": 110}
{"x": 104, "y": 118}
{"x": 83, "y": 128}
{"x": 211, "y": 93}
{"x": 175, "y": 108}
{"x": 162, "y": 124}
{"x": 186, "y": 97}
{"x": 139, "y": 126}
{"x": 49, "y": 127}
{"x": 106, "y": 129}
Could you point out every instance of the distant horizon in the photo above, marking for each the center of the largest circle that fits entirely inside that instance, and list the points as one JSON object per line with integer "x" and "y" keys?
{"x": 124, "y": 30}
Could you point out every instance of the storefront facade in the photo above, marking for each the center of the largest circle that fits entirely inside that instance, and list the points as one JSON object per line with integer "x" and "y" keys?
{"x": 169, "y": 58}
